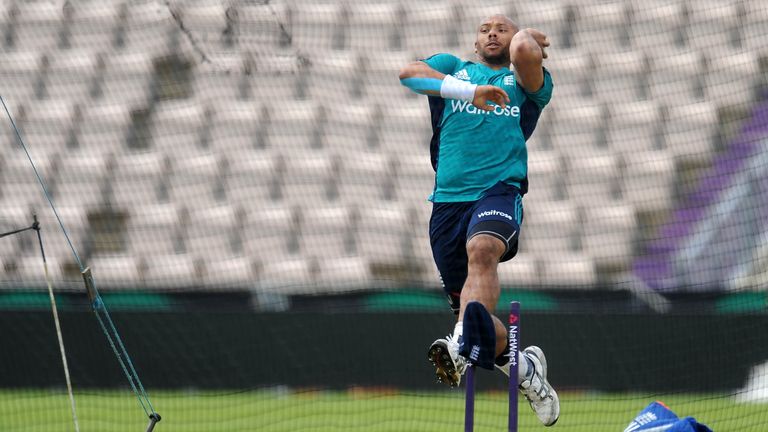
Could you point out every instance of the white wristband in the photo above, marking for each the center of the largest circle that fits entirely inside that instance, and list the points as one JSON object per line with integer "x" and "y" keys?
{"x": 454, "y": 88}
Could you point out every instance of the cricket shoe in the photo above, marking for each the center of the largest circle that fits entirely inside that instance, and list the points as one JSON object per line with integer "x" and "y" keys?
{"x": 449, "y": 365}
{"x": 540, "y": 394}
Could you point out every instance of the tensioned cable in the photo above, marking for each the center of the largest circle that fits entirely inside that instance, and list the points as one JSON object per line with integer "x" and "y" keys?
{"x": 96, "y": 303}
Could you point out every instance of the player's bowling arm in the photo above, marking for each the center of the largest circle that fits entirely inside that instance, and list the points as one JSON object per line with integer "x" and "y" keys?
{"x": 527, "y": 54}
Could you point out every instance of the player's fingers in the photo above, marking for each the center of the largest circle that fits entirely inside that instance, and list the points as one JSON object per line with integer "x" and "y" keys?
{"x": 504, "y": 95}
{"x": 500, "y": 100}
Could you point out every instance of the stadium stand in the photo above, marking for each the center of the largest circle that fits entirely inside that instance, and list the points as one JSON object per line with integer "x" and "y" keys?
{"x": 278, "y": 109}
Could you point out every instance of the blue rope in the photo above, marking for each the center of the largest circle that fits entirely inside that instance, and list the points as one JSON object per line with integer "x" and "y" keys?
{"x": 98, "y": 305}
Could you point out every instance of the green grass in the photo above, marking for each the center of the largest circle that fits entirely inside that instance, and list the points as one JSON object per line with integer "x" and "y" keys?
{"x": 370, "y": 411}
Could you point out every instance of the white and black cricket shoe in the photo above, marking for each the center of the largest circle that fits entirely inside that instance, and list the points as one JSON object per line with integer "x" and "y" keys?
{"x": 540, "y": 394}
{"x": 449, "y": 365}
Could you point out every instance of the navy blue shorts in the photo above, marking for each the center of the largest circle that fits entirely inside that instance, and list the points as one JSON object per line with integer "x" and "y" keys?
{"x": 499, "y": 213}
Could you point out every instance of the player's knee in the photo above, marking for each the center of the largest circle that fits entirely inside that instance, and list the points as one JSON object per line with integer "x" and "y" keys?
{"x": 485, "y": 250}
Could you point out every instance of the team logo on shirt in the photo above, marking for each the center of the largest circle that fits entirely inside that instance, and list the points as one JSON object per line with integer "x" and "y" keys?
{"x": 466, "y": 107}
{"x": 509, "y": 80}
{"x": 462, "y": 75}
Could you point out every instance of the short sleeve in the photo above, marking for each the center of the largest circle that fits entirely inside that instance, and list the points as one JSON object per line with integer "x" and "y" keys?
{"x": 443, "y": 63}
{"x": 542, "y": 96}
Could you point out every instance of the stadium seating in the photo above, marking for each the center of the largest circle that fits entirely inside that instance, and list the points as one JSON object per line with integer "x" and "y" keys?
{"x": 297, "y": 158}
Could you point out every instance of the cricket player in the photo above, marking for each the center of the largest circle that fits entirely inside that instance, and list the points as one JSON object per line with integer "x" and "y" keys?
{"x": 482, "y": 114}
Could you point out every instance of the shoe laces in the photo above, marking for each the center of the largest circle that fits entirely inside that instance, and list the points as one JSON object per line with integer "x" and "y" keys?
{"x": 453, "y": 350}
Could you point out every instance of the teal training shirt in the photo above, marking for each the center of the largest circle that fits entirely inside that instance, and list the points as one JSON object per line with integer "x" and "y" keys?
{"x": 472, "y": 149}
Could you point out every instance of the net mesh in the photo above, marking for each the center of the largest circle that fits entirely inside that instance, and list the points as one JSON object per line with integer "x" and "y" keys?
{"x": 261, "y": 160}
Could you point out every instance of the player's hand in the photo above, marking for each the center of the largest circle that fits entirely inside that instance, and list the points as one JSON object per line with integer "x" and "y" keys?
{"x": 488, "y": 93}
{"x": 540, "y": 39}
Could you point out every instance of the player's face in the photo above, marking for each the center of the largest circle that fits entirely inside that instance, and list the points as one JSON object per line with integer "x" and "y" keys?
{"x": 493, "y": 38}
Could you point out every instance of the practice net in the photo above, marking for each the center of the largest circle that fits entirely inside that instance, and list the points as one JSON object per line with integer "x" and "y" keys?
{"x": 248, "y": 181}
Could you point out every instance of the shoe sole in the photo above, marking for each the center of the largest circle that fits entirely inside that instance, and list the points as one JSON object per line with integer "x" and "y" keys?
{"x": 445, "y": 369}
{"x": 539, "y": 354}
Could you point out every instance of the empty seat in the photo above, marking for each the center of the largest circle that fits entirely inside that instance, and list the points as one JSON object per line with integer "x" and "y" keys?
{"x": 70, "y": 76}
{"x": 295, "y": 127}
{"x": 326, "y": 231}
{"x": 733, "y": 78}
{"x": 262, "y": 25}
{"x": 350, "y": 127}
{"x": 332, "y": 76}
{"x": 30, "y": 271}
{"x": 318, "y": 26}
{"x": 383, "y": 233}
{"x": 208, "y": 23}
{"x": 13, "y": 217}
{"x": 551, "y": 17}
{"x": 545, "y": 175}
{"x": 270, "y": 234}
{"x": 380, "y": 79}
{"x": 713, "y": 25}
{"x": 550, "y": 227}
{"x": 609, "y": 233}
{"x": 139, "y": 179}
{"x": 236, "y": 127}
{"x": 115, "y": 271}
{"x": 568, "y": 271}
{"x": 19, "y": 73}
{"x": 343, "y": 274}
{"x": 81, "y": 178}
{"x": 676, "y": 76}
{"x": 288, "y": 276}
{"x": 173, "y": 271}
{"x": 103, "y": 127}
{"x": 602, "y": 26}
{"x": 572, "y": 72}
{"x": 19, "y": 185}
{"x": 75, "y": 220}
{"x": 147, "y": 28}
{"x": 521, "y": 272}
{"x": 648, "y": 180}
{"x": 431, "y": 27}
{"x": 274, "y": 77}
{"x": 91, "y": 26}
{"x": 196, "y": 177}
{"x": 375, "y": 27}
{"x": 657, "y": 24}
{"x": 753, "y": 26}
{"x": 405, "y": 128}
{"x": 690, "y": 130}
{"x": 223, "y": 77}
{"x": 213, "y": 230}
{"x": 621, "y": 77}
{"x": 365, "y": 176}
{"x": 154, "y": 230}
{"x": 235, "y": 272}
{"x": 128, "y": 77}
{"x": 177, "y": 127}
{"x": 415, "y": 178}
{"x": 577, "y": 128}
{"x": 46, "y": 125}
{"x": 634, "y": 127}
{"x": 252, "y": 176}
{"x": 310, "y": 176}
{"x": 37, "y": 26}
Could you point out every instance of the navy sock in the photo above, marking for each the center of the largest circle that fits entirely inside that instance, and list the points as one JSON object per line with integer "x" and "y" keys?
{"x": 503, "y": 358}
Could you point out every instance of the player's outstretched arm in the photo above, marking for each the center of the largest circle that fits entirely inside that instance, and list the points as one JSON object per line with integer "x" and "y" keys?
{"x": 526, "y": 51}
{"x": 422, "y": 79}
